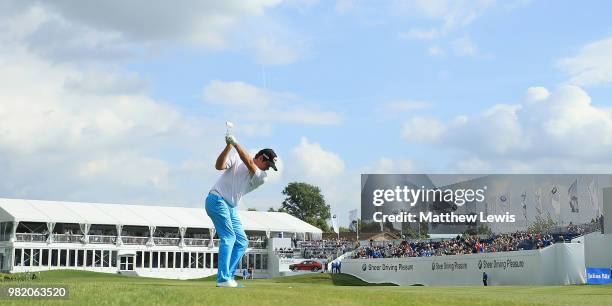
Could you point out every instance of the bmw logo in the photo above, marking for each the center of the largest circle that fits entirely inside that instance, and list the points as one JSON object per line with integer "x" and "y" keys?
{"x": 364, "y": 267}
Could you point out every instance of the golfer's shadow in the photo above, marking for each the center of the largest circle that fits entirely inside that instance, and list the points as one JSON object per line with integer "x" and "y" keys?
{"x": 341, "y": 279}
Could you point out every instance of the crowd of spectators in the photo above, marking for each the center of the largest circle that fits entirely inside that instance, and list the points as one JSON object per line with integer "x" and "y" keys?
{"x": 467, "y": 244}
{"x": 582, "y": 229}
{"x": 324, "y": 249}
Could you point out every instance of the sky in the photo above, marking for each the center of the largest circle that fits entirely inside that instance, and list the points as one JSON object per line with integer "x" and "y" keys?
{"x": 126, "y": 101}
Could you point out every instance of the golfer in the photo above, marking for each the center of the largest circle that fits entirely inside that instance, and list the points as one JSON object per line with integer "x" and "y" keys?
{"x": 241, "y": 175}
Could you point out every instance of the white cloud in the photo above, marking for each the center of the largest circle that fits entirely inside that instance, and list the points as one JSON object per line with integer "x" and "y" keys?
{"x": 474, "y": 165}
{"x": 422, "y": 129}
{"x": 238, "y": 94}
{"x": 104, "y": 83}
{"x": 452, "y": 14}
{"x": 270, "y": 51}
{"x": 202, "y": 22}
{"x": 406, "y": 105}
{"x": 536, "y": 93}
{"x": 90, "y": 131}
{"x": 343, "y": 6}
{"x": 435, "y": 51}
{"x": 115, "y": 30}
{"x": 127, "y": 169}
{"x": 265, "y": 105}
{"x": 256, "y": 129}
{"x": 591, "y": 66}
{"x": 93, "y": 134}
{"x": 305, "y": 116}
{"x": 422, "y": 34}
{"x": 557, "y": 132}
{"x": 402, "y": 107}
{"x": 315, "y": 162}
{"x": 464, "y": 46}
{"x": 389, "y": 166}
{"x": 311, "y": 163}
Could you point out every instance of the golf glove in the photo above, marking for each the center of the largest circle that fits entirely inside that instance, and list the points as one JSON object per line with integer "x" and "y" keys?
{"x": 230, "y": 139}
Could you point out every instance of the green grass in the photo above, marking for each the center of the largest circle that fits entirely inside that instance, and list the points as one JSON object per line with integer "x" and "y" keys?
{"x": 89, "y": 288}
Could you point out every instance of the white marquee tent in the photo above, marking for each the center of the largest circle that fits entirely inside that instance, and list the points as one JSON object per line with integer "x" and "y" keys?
{"x": 143, "y": 215}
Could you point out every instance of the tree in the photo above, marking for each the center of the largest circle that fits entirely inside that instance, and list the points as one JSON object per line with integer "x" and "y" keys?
{"x": 305, "y": 202}
{"x": 251, "y": 209}
{"x": 343, "y": 229}
{"x": 543, "y": 225}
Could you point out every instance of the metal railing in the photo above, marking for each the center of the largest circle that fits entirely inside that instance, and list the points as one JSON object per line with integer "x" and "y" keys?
{"x": 166, "y": 241}
{"x": 102, "y": 239}
{"x": 30, "y": 237}
{"x": 129, "y": 240}
{"x": 67, "y": 238}
{"x": 196, "y": 241}
{"x": 134, "y": 240}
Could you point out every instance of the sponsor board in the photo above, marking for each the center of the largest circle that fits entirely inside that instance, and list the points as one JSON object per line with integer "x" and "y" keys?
{"x": 599, "y": 276}
{"x": 452, "y": 266}
{"x": 561, "y": 264}
{"x": 387, "y": 267}
{"x": 508, "y": 263}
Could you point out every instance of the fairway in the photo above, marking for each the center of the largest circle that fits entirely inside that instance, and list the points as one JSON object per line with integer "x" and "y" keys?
{"x": 90, "y": 288}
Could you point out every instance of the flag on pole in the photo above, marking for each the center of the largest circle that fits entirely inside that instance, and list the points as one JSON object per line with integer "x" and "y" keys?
{"x": 352, "y": 218}
{"x": 593, "y": 195}
{"x": 538, "y": 200}
{"x": 572, "y": 193}
{"x": 554, "y": 199}
{"x": 335, "y": 224}
{"x": 524, "y": 203}
{"x": 503, "y": 201}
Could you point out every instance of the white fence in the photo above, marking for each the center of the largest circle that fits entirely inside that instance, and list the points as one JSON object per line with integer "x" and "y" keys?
{"x": 560, "y": 264}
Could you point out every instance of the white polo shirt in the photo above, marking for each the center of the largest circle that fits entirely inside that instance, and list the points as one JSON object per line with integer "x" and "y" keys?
{"x": 236, "y": 180}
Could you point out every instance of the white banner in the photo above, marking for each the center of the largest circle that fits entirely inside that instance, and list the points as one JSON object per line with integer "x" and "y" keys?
{"x": 560, "y": 264}
{"x": 335, "y": 224}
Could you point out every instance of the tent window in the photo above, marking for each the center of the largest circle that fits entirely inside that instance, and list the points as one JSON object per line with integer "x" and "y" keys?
{"x": 185, "y": 260}
{"x": 171, "y": 260}
{"x": 155, "y": 259}
{"x": 162, "y": 259}
{"x": 81, "y": 258}
{"x": 177, "y": 260}
{"x": 54, "y": 257}
{"x": 147, "y": 259}
{"x": 139, "y": 259}
{"x": 89, "y": 261}
{"x": 45, "y": 257}
{"x": 63, "y": 257}
{"x": 72, "y": 256}
{"x": 17, "y": 257}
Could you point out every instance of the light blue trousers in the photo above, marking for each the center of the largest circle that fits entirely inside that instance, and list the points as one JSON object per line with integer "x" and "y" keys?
{"x": 233, "y": 240}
